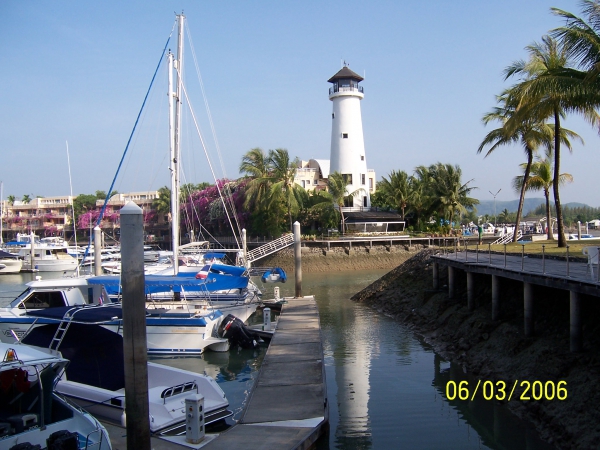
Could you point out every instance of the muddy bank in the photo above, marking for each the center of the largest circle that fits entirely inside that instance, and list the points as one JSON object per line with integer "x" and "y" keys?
{"x": 499, "y": 350}
{"x": 338, "y": 260}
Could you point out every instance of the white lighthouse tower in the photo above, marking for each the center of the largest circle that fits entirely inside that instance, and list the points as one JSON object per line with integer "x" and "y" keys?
{"x": 347, "y": 143}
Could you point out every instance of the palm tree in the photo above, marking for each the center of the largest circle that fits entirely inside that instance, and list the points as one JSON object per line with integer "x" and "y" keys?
{"x": 337, "y": 186}
{"x": 162, "y": 204}
{"x": 542, "y": 180}
{"x": 530, "y": 133}
{"x": 11, "y": 199}
{"x": 550, "y": 89}
{"x": 282, "y": 186}
{"x": 450, "y": 195}
{"x": 26, "y": 199}
{"x": 396, "y": 190}
{"x": 256, "y": 165}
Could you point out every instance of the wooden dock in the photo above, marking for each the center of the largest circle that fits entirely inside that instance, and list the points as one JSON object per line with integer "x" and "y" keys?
{"x": 567, "y": 274}
{"x": 287, "y": 407}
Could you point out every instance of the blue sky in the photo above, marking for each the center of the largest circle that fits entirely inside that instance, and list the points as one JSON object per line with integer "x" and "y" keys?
{"x": 78, "y": 72}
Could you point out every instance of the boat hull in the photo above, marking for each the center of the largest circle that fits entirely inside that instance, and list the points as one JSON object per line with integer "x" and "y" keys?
{"x": 10, "y": 265}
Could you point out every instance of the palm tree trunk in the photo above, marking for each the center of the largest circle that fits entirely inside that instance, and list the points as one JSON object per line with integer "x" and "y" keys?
{"x": 548, "y": 217}
{"x": 523, "y": 189}
{"x": 559, "y": 217}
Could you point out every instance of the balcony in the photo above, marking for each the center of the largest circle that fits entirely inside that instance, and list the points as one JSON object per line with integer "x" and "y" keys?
{"x": 351, "y": 88}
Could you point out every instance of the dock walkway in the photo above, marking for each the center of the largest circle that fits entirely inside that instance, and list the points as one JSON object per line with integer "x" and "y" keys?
{"x": 287, "y": 407}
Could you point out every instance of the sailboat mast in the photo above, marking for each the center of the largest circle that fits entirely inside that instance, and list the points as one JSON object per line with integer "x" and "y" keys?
{"x": 173, "y": 165}
{"x": 174, "y": 139}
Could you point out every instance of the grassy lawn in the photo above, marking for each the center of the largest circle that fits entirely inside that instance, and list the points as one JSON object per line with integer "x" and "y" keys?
{"x": 549, "y": 247}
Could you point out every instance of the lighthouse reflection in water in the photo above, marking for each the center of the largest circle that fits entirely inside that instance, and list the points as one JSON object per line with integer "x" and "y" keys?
{"x": 386, "y": 388}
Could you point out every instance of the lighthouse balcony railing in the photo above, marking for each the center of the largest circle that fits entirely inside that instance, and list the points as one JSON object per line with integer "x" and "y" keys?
{"x": 335, "y": 88}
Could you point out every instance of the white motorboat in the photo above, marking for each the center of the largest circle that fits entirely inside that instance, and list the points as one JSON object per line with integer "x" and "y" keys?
{"x": 32, "y": 412}
{"x": 95, "y": 379}
{"x": 48, "y": 254}
{"x": 10, "y": 263}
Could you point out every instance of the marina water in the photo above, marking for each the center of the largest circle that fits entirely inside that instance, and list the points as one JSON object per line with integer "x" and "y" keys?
{"x": 386, "y": 388}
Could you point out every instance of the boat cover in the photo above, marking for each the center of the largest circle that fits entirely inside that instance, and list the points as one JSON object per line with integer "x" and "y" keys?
{"x": 226, "y": 269}
{"x": 96, "y": 354}
{"x": 92, "y": 314}
{"x": 7, "y": 255}
{"x": 164, "y": 283}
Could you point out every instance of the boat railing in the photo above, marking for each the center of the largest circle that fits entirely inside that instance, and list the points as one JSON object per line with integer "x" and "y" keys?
{"x": 178, "y": 389}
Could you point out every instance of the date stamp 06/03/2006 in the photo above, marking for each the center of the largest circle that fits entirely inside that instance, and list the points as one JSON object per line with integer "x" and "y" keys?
{"x": 500, "y": 390}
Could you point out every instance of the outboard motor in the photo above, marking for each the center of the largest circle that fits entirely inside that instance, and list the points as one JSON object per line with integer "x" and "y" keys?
{"x": 237, "y": 333}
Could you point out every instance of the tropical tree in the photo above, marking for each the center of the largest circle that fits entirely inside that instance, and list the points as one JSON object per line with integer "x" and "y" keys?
{"x": 26, "y": 199}
{"x": 550, "y": 88}
{"x": 162, "y": 204}
{"x": 450, "y": 196}
{"x": 11, "y": 199}
{"x": 542, "y": 179}
{"x": 530, "y": 133}
{"x": 337, "y": 187}
{"x": 396, "y": 190}
{"x": 282, "y": 186}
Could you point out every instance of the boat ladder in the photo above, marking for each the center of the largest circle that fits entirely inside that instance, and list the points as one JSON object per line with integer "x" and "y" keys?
{"x": 508, "y": 238}
{"x": 61, "y": 331}
{"x": 272, "y": 247}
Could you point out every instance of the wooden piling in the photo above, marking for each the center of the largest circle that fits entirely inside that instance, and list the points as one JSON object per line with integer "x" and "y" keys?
{"x": 528, "y": 309}
{"x": 576, "y": 335}
{"x": 495, "y": 297}
{"x": 298, "y": 259}
{"x": 135, "y": 351}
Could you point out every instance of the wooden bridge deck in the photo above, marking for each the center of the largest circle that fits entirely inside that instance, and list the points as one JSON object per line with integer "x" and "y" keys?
{"x": 573, "y": 275}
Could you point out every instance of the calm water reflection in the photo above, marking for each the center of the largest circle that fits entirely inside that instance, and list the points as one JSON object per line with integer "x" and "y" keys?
{"x": 386, "y": 389}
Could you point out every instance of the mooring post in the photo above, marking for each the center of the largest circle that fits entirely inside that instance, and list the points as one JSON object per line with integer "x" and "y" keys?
{"x": 576, "y": 338}
{"x": 495, "y": 297}
{"x": 297, "y": 259}
{"x": 528, "y": 309}
{"x": 490, "y": 253}
{"x": 97, "y": 251}
{"x": 135, "y": 351}
{"x": 450, "y": 282}
{"x": 245, "y": 249}
{"x": 568, "y": 274}
{"x": 471, "y": 291}
{"x": 544, "y": 259}
{"x": 436, "y": 275}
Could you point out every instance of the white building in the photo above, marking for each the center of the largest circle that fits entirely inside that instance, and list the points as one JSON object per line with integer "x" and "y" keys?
{"x": 347, "y": 142}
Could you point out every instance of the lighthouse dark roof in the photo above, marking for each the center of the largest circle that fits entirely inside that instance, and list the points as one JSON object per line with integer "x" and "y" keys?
{"x": 345, "y": 74}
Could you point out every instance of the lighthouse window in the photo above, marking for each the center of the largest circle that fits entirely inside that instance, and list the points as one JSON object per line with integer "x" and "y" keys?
{"x": 362, "y": 178}
{"x": 333, "y": 115}
{"x": 362, "y": 157}
{"x": 344, "y": 135}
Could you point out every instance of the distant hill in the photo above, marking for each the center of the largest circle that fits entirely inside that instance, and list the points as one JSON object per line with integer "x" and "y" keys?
{"x": 487, "y": 206}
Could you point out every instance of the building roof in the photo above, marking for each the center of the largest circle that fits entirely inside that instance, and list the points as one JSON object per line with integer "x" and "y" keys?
{"x": 372, "y": 216}
{"x": 345, "y": 74}
{"x": 322, "y": 164}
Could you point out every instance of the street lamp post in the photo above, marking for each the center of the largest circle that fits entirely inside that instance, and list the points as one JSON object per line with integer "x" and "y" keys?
{"x": 494, "y": 195}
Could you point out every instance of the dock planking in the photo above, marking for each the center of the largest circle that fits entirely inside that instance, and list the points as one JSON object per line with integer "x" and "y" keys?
{"x": 287, "y": 408}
